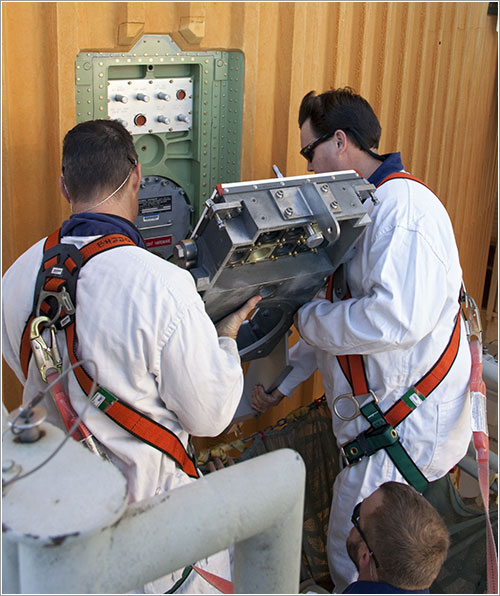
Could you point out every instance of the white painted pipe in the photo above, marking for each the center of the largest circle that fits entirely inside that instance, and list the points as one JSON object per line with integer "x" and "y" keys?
{"x": 256, "y": 505}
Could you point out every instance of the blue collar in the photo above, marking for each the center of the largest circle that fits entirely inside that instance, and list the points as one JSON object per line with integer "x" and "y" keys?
{"x": 370, "y": 587}
{"x": 99, "y": 224}
{"x": 391, "y": 164}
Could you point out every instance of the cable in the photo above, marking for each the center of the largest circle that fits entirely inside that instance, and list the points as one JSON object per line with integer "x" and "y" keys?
{"x": 37, "y": 399}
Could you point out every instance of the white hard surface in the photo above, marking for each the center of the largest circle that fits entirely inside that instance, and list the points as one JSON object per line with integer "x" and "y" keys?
{"x": 74, "y": 493}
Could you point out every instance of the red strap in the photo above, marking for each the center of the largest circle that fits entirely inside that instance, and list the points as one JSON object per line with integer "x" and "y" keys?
{"x": 223, "y": 585}
{"x": 400, "y": 410}
{"x": 403, "y": 175}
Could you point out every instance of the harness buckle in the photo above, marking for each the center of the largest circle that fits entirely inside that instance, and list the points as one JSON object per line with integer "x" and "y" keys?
{"x": 46, "y": 357}
{"x": 63, "y": 301}
{"x": 347, "y": 462}
{"x": 354, "y": 402}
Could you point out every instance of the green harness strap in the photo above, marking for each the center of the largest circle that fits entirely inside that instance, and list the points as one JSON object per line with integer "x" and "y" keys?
{"x": 384, "y": 436}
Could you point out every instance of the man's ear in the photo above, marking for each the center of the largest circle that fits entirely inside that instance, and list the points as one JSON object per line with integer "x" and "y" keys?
{"x": 63, "y": 189}
{"x": 136, "y": 177}
{"x": 340, "y": 140}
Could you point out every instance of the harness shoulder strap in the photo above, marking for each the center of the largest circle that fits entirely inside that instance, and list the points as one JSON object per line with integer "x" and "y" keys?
{"x": 405, "y": 176}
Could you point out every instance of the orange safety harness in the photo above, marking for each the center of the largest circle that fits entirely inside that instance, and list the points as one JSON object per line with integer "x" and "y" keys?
{"x": 55, "y": 296}
{"x": 382, "y": 432}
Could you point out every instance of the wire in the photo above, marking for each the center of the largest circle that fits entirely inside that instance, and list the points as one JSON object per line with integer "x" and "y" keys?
{"x": 37, "y": 399}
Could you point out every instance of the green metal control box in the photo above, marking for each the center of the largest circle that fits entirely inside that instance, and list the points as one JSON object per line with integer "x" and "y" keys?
{"x": 184, "y": 111}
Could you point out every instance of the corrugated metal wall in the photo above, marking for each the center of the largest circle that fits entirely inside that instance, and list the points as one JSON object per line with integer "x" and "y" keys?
{"x": 429, "y": 69}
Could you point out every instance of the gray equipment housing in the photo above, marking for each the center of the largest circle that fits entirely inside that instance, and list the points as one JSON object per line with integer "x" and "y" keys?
{"x": 280, "y": 238}
{"x": 163, "y": 216}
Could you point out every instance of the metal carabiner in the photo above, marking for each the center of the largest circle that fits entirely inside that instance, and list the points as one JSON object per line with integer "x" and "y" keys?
{"x": 471, "y": 314}
{"x": 46, "y": 357}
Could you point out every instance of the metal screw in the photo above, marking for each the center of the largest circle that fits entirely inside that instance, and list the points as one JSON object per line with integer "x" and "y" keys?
{"x": 279, "y": 194}
{"x": 325, "y": 188}
{"x": 288, "y": 212}
{"x": 334, "y": 205}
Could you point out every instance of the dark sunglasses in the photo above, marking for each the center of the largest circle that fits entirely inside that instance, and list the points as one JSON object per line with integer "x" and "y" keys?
{"x": 355, "y": 521}
{"x": 308, "y": 150}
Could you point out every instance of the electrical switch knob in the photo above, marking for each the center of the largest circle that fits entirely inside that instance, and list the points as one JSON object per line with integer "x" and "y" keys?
{"x": 163, "y": 119}
{"x": 164, "y": 96}
{"x": 314, "y": 239}
{"x": 142, "y": 97}
{"x": 183, "y": 118}
{"x": 121, "y": 98}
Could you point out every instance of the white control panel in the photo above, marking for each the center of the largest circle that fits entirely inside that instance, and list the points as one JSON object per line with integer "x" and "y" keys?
{"x": 151, "y": 105}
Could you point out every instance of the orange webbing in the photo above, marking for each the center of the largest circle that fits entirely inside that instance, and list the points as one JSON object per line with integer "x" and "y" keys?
{"x": 431, "y": 380}
{"x": 105, "y": 243}
{"x": 397, "y": 413}
{"x": 152, "y": 433}
{"x": 403, "y": 175}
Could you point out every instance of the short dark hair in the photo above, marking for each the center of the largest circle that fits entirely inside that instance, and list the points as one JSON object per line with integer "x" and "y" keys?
{"x": 408, "y": 537}
{"x": 345, "y": 110}
{"x": 97, "y": 156}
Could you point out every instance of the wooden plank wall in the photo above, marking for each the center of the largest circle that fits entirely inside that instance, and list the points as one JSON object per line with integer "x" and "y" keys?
{"x": 429, "y": 69}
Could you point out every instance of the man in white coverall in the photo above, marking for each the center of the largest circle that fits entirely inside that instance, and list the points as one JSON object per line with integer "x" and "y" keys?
{"x": 140, "y": 319}
{"x": 404, "y": 279}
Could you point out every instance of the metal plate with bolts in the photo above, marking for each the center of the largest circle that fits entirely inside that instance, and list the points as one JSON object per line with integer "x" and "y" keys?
{"x": 244, "y": 245}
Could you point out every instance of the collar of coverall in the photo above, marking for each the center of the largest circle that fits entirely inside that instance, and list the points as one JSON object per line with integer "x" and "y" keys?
{"x": 391, "y": 164}
{"x": 99, "y": 224}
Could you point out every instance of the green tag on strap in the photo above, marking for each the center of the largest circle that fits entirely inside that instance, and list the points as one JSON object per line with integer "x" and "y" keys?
{"x": 103, "y": 399}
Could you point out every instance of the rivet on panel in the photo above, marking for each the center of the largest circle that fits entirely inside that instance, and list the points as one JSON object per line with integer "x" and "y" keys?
{"x": 77, "y": 78}
{"x": 101, "y": 74}
{"x": 101, "y": 108}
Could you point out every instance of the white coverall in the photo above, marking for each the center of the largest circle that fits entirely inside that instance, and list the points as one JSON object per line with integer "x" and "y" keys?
{"x": 404, "y": 280}
{"x": 142, "y": 321}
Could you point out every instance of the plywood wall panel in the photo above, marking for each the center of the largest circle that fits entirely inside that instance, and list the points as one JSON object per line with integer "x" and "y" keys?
{"x": 428, "y": 68}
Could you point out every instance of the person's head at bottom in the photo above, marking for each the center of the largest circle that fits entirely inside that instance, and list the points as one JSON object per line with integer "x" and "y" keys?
{"x": 398, "y": 538}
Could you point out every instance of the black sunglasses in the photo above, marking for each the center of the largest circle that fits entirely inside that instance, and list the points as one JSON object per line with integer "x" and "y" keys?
{"x": 355, "y": 521}
{"x": 308, "y": 150}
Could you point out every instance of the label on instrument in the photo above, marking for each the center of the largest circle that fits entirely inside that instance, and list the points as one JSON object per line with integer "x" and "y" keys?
{"x": 479, "y": 420}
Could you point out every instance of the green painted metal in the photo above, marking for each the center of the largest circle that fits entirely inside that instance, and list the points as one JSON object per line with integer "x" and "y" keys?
{"x": 197, "y": 159}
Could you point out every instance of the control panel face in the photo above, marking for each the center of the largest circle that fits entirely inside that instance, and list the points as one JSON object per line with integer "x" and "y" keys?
{"x": 152, "y": 105}
{"x": 164, "y": 214}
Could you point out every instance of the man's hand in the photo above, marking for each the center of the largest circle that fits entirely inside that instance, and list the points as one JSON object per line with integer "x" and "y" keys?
{"x": 230, "y": 325}
{"x": 262, "y": 401}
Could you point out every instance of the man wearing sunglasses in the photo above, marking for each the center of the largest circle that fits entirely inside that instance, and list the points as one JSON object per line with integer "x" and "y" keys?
{"x": 398, "y": 542}
{"x": 396, "y": 324}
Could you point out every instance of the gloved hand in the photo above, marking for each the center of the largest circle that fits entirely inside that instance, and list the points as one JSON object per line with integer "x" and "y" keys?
{"x": 229, "y": 326}
{"x": 262, "y": 401}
